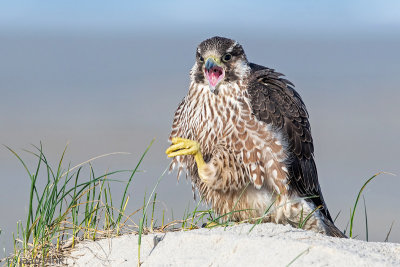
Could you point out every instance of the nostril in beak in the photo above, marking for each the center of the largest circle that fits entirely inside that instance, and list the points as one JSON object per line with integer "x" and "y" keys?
{"x": 210, "y": 63}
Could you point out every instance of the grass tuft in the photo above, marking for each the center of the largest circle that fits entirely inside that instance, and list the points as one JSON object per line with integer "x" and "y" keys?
{"x": 65, "y": 209}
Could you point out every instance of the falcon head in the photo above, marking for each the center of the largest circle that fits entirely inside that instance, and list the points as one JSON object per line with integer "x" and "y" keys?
{"x": 219, "y": 60}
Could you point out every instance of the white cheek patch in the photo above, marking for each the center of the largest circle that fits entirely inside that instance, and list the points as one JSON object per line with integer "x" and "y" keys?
{"x": 242, "y": 69}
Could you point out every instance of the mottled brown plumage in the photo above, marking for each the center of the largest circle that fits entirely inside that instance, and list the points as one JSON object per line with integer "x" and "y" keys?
{"x": 251, "y": 127}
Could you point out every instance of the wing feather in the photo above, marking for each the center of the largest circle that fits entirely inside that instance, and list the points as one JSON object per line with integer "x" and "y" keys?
{"x": 275, "y": 102}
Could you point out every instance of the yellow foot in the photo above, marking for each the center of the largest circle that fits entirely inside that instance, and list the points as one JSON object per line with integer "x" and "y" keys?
{"x": 181, "y": 147}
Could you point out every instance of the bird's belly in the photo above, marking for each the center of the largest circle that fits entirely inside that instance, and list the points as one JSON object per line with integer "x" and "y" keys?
{"x": 252, "y": 204}
{"x": 259, "y": 199}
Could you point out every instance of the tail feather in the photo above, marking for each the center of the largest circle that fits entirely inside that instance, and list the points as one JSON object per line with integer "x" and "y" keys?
{"x": 332, "y": 230}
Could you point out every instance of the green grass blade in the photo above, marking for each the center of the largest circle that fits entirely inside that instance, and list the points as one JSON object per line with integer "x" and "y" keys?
{"x": 366, "y": 219}
{"x": 265, "y": 213}
{"x": 144, "y": 212}
{"x": 130, "y": 180}
{"x": 303, "y": 223}
{"x": 298, "y": 256}
{"x": 20, "y": 160}
{"x": 356, "y": 202}
{"x": 390, "y": 230}
{"x": 337, "y": 216}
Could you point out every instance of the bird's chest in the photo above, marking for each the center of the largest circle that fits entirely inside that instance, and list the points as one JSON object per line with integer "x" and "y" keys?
{"x": 215, "y": 119}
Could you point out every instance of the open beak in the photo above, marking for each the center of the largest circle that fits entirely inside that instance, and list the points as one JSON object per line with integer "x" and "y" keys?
{"x": 213, "y": 72}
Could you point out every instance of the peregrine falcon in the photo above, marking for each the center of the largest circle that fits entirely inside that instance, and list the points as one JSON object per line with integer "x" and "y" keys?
{"x": 242, "y": 134}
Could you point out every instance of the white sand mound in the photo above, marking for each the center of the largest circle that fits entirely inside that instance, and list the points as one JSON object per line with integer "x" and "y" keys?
{"x": 266, "y": 245}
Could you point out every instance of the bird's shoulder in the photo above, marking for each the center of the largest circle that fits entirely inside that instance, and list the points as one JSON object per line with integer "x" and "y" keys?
{"x": 275, "y": 102}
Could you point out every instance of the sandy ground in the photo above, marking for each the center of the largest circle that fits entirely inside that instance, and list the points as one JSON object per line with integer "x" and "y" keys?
{"x": 265, "y": 245}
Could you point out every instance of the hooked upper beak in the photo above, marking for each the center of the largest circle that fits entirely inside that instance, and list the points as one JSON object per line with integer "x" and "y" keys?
{"x": 213, "y": 72}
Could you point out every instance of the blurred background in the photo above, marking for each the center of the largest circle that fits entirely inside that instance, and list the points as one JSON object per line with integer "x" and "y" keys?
{"x": 106, "y": 76}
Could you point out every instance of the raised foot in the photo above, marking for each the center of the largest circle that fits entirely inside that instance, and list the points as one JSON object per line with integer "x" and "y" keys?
{"x": 181, "y": 146}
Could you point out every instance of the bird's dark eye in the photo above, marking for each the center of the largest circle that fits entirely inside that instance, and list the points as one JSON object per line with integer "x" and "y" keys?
{"x": 227, "y": 57}
{"x": 201, "y": 59}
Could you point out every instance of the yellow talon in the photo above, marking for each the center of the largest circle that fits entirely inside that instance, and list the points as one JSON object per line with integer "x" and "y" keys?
{"x": 182, "y": 147}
